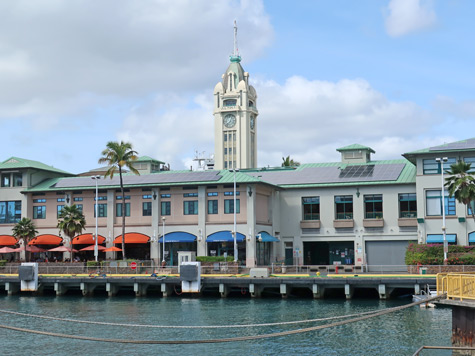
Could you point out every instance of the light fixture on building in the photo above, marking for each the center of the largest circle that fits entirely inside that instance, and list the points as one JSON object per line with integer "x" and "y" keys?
{"x": 67, "y": 199}
{"x": 249, "y": 191}
{"x": 358, "y": 192}
{"x": 154, "y": 196}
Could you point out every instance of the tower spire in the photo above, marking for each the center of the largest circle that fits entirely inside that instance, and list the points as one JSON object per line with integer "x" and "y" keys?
{"x": 235, "y": 57}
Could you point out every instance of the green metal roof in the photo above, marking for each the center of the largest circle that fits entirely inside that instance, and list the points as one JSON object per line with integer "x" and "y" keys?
{"x": 457, "y": 146}
{"x": 355, "y": 147}
{"x": 148, "y": 159}
{"x": 21, "y": 163}
{"x": 226, "y": 177}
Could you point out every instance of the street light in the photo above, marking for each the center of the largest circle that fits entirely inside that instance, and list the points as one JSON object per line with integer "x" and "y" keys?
{"x": 96, "y": 252}
{"x": 163, "y": 220}
{"x": 234, "y": 210}
{"x": 446, "y": 246}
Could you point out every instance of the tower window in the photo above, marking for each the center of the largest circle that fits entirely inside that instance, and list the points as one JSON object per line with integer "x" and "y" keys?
{"x": 229, "y": 102}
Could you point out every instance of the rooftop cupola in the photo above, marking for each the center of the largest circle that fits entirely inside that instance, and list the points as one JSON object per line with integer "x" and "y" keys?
{"x": 355, "y": 153}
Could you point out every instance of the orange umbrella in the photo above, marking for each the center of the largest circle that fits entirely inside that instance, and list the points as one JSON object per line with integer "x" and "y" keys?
{"x": 112, "y": 249}
{"x": 91, "y": 248}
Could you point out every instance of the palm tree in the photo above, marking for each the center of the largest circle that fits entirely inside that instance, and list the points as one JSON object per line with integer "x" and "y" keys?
{"x": 116, "y": 156}
{"x": 461, "y": 184}
{"x": 24, "y": 230}
{"x": 71, "y": 222}
{"x": 289, "y": 162}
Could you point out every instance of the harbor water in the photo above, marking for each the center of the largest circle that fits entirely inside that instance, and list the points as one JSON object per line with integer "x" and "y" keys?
{"x": 398, "y": 333}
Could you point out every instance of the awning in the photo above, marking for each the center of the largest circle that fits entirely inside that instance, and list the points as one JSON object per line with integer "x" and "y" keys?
{"x": 439, "y": 238}
{"x": 7, "y": 240}
{"x": 132, "y": 238}
{"x": 224, "y": 236}
{"x": 46, "y": 240}
{"x": 471, "y": 237}
{"x": 178, "y": 236}
{"x": 86, "y": 239}
{"x": 265, "y": 237}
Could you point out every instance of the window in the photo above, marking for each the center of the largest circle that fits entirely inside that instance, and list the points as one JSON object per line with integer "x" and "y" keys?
{"x": 230, "y": 102}
{"x": 5, "y": 180}
{"x": 344, "y": 207}
{"x": 230, "y": 194}
{"x": 311, "y": 208}
{"x": 148, "y": 196}
{"x": 78, "y": 192}
{"x": 229, "y": 206}
{"x": 190, "y": 207}
{"x": 407, "y": 205}
{"x": 212, "y": 206}
{"x": 10, "y": 212}
{"x": 39, "y": 200}
{"x": 60, "y": 200}
{"x": 78, "y": 199}
{"x": 118, "y": 209}
{"x": 119, "y": 197}
{"x": 17, "y": 179}
{"x": 147, "y": 208}
{"x": 59, "y": 209}
{"x": 79, "y": 206}
{"x": 431, "y": 166}
{"x": 166, "y": 208}
{"x": 100, "y": 198}
{"x": 373, "y": 205}
{"x": 101, "y": 210}
{"x": 434, "y": 203}
{"x": 188, "y": 195}
{"x": 470, "y": 160}
{"x": 165, "y": 195}
{"x": 213, "y": 194}
{"x": 39, "y": 212}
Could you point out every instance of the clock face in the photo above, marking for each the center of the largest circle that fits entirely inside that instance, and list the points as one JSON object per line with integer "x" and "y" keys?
{"x": 229, "y": 120}
{"x": 253, "y": 122}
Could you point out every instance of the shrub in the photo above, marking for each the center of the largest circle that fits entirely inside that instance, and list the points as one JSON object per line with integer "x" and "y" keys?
{"x": 433, "y": 254}
{"x": 214, "y": 259}
{"x": 3, "y": 262}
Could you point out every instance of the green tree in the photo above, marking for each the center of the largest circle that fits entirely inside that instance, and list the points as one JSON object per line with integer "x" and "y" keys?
{"x": 71, "y": 222}
{"x": 289, "y": 162}
{"x": 25, "y": 231}
{"x": 117, "y": 156}
{"x": 461, "y": 184}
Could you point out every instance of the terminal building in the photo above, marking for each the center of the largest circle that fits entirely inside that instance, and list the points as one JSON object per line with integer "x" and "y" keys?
{"x": 356, "y": 211}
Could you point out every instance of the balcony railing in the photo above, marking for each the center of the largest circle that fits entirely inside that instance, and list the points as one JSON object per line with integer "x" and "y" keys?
{"x": 311, "y": 216}
{"x": 344, "y": 216}
{"x": 408, "y": 214}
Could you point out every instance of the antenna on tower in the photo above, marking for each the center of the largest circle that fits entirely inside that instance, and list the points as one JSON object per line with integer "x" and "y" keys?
{"x": 235, "y": 57}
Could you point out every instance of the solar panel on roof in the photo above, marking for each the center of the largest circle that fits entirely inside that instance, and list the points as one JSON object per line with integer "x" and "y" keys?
{"x": 332, "y": 174}
{"x": 460, "y": 145}
{"x": 158, "y": 178}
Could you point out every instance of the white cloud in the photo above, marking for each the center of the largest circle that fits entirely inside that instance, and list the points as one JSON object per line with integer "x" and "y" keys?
{"x": 407, "y": 16}
{"x": 309, "y": 120}
{"x": 52, "y": 52}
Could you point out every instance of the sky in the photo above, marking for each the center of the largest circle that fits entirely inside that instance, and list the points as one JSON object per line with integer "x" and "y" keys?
{"x": 395, "y": 75}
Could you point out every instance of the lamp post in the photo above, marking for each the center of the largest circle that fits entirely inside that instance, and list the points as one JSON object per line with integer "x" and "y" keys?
{"x": 163, "y": 220}
{"x": 96, "y": 252}
{"x": 234, "y": 210}
{"x": 446, "y": 246}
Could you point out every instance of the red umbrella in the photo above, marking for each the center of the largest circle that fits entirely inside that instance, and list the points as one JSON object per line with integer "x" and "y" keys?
{"x": 91, "y": 248}
{"x": 62, "y": 249}
{"x": 112, "y": 249}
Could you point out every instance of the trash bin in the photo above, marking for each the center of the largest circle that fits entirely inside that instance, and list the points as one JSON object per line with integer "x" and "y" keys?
{"x": 423, "y": 270}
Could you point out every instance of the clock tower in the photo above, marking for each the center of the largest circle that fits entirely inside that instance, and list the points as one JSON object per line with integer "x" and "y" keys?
{"x": 235, "y": 117}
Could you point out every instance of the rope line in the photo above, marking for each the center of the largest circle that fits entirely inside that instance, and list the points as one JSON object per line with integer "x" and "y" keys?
{"x": 231, "y": 339}
{"x": 190, "y": 326}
